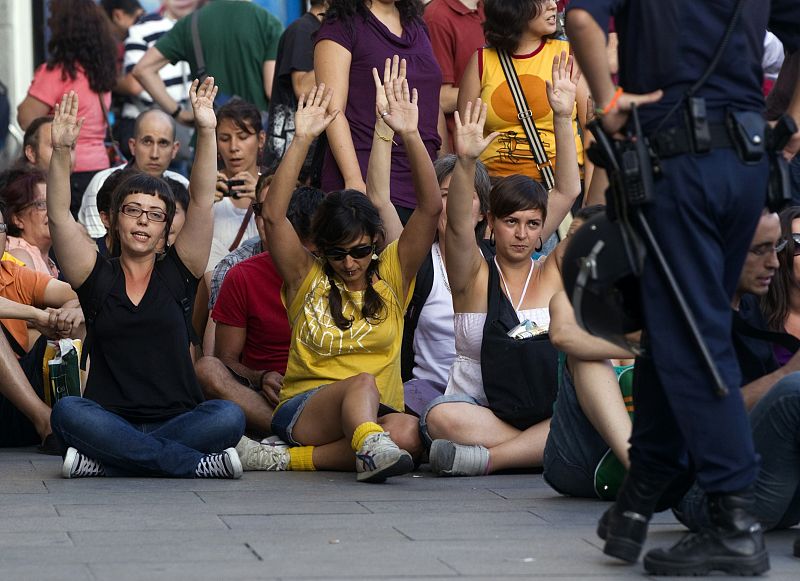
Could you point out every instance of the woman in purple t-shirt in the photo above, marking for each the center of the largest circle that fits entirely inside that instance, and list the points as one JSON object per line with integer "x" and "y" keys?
{"x": 356, "y": 36}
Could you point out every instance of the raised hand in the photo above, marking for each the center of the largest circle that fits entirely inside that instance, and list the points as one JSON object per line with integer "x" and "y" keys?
{"x": 312, "y": 116}
{"x": 403, "y": 114}
{"x": 393, "y": 68}
{"x": 469, "y": 139}
{"x": 66, "y": 124}
{"x": 561, "y": 91}
{"x": 202, "y": 99}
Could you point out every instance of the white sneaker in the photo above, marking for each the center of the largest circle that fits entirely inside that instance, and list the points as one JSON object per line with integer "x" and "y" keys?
{"x": 379, "y": 458}
{"x": 450, "y": 459}
{"x": 258, "y": 456}
{"x": 226, "y": 464}
{"x": 77, "y": 465}
{"x": 275, "y": 442}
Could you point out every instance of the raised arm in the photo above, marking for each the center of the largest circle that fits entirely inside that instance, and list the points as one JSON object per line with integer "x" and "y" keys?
{"x": 332, "y": 69}
{"x": 462, "y": 255}
{"x": 417, "y": 237}
{"x": 76, "y": 253}
{"x": 380, "y": 157}
{"x": 291, "y": 258}
{"x": 194, "y": 241}
{"x": 561, "y": 95}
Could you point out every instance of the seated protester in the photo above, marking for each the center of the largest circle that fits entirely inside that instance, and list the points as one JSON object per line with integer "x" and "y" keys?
{"x": 591, "y": 413}
{"x": 252, "y": 330}
{"x": 490, "y": 420}
{"x": 428, "y": 347}
{"x": 34, "y": 299}
{"x": 770, "y": 392}
{"x": 131, "y": 419}
{"x": 153, "y": 146}
{"x": 346, "y": 309}
{"x": 26, "y": 221}
{"x": 24, "y": 417}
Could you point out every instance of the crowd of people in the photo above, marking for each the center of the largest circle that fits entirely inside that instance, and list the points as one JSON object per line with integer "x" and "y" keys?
{"x": 340, "y": 246}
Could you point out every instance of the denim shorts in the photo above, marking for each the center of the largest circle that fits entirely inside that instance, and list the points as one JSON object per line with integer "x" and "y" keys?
{"x": 423, "y": 419}
{"x": 285, "y": 416}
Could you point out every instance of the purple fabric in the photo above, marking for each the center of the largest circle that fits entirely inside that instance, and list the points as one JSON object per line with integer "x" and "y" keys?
{"x": 370, "y": 43}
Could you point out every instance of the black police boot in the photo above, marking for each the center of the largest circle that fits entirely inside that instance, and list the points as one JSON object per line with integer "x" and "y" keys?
{"x": 624, "y": 526}
{"x": 733, "y": 544}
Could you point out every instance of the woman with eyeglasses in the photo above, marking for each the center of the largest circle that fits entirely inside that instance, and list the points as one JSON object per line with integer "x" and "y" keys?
{"x": 342, "y": 392}
{"x": 142, "y": 412}
{"x": 781, "y": 305}
{"x": 26, "y": 214}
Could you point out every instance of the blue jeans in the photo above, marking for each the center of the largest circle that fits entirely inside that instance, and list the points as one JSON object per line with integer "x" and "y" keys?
{"x": 286, "y": 415}
{"x": 170, "y": 448}
{"x": 775, "y": 423}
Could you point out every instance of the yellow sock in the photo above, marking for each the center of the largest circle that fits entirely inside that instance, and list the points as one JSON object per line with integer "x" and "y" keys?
{"x": 301, "y": 458}
{"x": 361, "y": 433}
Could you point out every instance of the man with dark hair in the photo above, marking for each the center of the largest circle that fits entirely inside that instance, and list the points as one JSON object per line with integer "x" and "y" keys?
{"x": 705, "y": 205}
{"x": 153, "y": 146}
{"x": 251, "y": 346}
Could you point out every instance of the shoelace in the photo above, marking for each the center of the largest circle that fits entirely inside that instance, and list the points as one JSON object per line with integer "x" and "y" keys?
{"x": 88, "y": 467}
{"x": 212, "y": 466}
{"x": 271, "y": 456}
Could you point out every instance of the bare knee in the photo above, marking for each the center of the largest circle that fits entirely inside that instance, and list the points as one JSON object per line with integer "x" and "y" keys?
{"x": 210, "y": 373}
{"x": 444, "y": 420}
{"x": 404, "y": 431}
{"x": 364, "y": 385}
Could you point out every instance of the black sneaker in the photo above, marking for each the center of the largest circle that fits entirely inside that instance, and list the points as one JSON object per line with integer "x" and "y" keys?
{"x": 226, "y": 464}
{"x": 77, "y": 465}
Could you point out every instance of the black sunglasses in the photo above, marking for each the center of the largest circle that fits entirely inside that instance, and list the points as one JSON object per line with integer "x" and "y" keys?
{"x": 796, "y": 240}
{"x": 356, "y": 252}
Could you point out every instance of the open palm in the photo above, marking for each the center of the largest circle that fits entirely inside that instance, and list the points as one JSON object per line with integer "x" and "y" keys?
{"x": 312, "y": 117}
{"x": 202, "y": 97}
{"x": 402, "y": 107}
{"x": 66, "y": 125}
{"x": 393, "y": 68}
{"x": 561, "y": 92}
{"x": 469, "y": 139}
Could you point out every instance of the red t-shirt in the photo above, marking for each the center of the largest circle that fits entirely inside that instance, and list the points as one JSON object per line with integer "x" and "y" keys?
{"x": 250, "y": 298}
{"x": 456, "y": 33}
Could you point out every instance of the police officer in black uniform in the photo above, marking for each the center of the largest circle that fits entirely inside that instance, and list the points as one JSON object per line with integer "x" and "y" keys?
{"x": 707, "y": 202}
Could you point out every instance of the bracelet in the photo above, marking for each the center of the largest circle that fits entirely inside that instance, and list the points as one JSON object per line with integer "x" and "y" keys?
{"x": 176, "y": 112}
{"x": 384, "y": 138}
{"x": 611, "y": 104}
{"x": 261, "y": 379}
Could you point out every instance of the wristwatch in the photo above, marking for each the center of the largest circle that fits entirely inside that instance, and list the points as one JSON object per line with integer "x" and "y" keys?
{"x": 177, "y": 111}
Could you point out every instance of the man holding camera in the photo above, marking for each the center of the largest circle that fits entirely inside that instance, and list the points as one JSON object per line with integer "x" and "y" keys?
{"x": 689, "y": 66}
{"x": 153, "y": 146}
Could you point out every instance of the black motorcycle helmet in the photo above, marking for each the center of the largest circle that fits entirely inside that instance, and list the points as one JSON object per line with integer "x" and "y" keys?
{"x": 600, "y": 272}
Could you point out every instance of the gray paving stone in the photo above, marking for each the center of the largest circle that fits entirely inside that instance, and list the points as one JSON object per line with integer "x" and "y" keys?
{"x": 143, "y": 553}
{"x": 46, "y": 572}
{"x": 39, "y": 539}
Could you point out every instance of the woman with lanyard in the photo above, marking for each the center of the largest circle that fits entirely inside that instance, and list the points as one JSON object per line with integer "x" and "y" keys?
{"x": 496, "y": 408}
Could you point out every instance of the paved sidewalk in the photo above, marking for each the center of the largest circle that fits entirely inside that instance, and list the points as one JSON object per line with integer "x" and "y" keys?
{"x": 305, "y": 526}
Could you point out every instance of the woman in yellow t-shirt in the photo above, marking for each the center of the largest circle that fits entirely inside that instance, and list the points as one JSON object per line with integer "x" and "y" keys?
{"x": 346, "y": 307}
{"x": 524, "y": 30}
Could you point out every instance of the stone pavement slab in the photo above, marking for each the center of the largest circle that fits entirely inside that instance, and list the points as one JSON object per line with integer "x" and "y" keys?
{"x": 295, "y": 526}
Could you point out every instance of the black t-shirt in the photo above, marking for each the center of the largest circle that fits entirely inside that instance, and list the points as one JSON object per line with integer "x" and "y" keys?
{"x": 140, "y": 363}
{"x": 756, "y": 357}
{"x": 295, "y": 53}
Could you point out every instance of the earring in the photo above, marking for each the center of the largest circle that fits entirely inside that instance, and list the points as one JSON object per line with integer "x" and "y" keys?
{"x": 541, "y": 244}
{"x": 491, "y": 238}
{"x": 374, "y": 256}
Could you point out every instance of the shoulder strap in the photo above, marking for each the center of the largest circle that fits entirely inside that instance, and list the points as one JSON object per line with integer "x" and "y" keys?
{"x": 12, "y": 341}
{"x": 242, "y": 228}
{"x": 179, "y": 286}
{"x": 785, "y": 340}
{"x": 200, "y": 61}
{"x": 525, "y": 117}
{"x": 100, "y": 291}
{"x": 422, "y": 289}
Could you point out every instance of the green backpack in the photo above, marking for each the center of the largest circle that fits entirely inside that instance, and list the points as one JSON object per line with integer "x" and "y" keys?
{"x": 610, "y": 472}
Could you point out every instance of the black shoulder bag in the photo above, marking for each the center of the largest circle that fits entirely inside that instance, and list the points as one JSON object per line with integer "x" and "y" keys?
{"x": 520, "y": 376}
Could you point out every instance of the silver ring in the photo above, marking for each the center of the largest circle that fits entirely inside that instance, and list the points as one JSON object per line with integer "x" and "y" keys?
{"x": 384, "y": 114}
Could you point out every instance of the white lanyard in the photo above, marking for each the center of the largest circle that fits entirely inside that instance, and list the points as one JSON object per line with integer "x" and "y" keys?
{"x": 505, "y": 284}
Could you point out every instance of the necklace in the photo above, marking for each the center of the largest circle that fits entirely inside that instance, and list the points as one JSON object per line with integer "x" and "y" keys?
{"x": 441, "y": 267}
{"x": 505, "y": 284}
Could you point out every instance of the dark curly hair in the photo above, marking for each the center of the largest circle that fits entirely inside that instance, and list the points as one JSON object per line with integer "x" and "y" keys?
{"x": 81, "y": 38}
{"x": 507, "y": 19}
{"x": 775, "y": 304}
{"x": 346, "y": 10}
{"x": 341, "y": 217}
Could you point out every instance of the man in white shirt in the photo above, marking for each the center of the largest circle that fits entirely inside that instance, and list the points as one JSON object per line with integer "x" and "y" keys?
{"x": 153, "y": 146}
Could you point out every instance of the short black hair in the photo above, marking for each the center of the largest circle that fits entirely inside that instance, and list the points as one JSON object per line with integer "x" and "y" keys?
{"x": 179, "y": 191}
{"x": 302, "y": 206}
{"x": 103, "y": 200}
{"x": 32, "y": 132}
